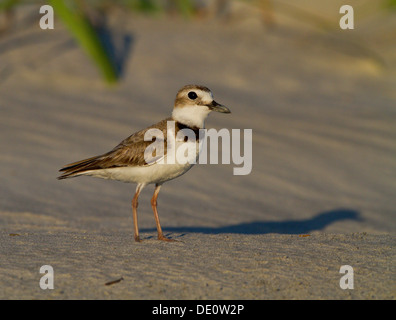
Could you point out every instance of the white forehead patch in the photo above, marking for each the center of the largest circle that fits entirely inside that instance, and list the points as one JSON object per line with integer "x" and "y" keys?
{"x": 206, "y": 96}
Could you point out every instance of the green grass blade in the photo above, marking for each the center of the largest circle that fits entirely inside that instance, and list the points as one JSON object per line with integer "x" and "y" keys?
{"x": 186, "y": 7}
{"x": 8, "y": 4}
{"x": 390, "y": 4}
{"x": 86, "y": 36}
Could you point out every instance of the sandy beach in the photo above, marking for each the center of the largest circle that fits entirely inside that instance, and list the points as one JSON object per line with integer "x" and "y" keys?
{"x": 321, "y": 193}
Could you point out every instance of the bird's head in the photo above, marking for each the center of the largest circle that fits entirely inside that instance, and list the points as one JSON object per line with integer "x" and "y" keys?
{"x": 193, "y": 104}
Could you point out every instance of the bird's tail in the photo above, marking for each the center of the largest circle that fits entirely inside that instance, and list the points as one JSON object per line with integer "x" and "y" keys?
{"x": 79, "y": 168}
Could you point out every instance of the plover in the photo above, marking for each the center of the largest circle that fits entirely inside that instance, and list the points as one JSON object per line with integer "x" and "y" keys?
{"x": 127, "y": 161}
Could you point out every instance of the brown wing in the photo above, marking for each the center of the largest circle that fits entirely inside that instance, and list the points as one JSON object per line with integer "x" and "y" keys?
{"x": 129, "y": 152}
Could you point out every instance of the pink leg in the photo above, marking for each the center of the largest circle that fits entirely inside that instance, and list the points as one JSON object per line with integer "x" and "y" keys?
{"x": 134, "y": 209}
{"x": 157, "y": 222}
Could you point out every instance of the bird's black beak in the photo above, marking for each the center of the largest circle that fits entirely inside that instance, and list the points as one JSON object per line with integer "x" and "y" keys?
{"x": 214, "y": 106}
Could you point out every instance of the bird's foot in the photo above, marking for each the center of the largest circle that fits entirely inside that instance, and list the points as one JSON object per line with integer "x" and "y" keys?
{"x": 163, "y": 238}
{"x": 137, "y": 239}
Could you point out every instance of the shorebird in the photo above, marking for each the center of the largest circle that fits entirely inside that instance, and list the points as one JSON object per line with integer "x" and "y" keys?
{"x": 128, "y": 161}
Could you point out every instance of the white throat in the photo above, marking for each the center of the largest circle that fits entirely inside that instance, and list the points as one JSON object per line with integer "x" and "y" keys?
{"x": 192, "y": 116}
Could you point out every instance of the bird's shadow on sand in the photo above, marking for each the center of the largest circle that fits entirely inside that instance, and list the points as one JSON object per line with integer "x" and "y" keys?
{"x": 317, "y": 222}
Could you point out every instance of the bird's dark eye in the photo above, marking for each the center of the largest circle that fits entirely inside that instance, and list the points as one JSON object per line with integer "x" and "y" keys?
{"x": 192, "y": 95}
